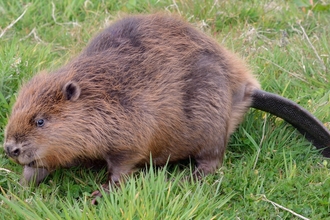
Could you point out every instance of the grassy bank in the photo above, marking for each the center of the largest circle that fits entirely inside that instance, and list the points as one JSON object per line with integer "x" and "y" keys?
{"x": 270, "y": 171}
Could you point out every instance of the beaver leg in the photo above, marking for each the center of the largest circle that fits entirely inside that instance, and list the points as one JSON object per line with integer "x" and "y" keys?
{"x": 33, "y": 176}
{"x": 208, "y": 161}
{"x": 117, "y": 170}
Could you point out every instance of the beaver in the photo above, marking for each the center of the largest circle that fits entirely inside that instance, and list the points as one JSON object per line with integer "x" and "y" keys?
{"x": 147, "y": 88}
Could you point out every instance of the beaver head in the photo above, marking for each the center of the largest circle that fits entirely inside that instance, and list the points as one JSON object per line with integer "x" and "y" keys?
{"x": 41, "y": 131}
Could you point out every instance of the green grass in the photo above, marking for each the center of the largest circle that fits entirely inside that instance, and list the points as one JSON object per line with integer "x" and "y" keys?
{"x": 287, "y": 45}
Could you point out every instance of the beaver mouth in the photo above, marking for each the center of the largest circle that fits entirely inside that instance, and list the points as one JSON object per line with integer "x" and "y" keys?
{"x": 32, "y": 164}
{"x": 35, "y": 164}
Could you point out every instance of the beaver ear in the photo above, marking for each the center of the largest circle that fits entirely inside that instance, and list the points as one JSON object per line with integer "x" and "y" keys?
{"x": 71, "y": 91}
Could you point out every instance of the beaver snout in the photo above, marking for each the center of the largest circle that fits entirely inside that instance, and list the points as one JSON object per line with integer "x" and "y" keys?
{"x": 12, "y": 150}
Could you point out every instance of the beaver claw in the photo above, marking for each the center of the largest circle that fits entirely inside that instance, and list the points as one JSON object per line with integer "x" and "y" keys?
{"x": 98, "y": 194}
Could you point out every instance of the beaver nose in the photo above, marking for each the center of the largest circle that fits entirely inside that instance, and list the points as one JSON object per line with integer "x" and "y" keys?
{"x": 12, "y": 151}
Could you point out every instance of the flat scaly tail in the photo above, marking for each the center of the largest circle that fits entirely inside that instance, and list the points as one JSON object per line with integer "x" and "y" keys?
{"x": 296, "y": 115}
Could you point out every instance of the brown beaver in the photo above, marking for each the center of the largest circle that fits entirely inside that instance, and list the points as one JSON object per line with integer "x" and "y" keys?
{"x": 146, "y": 85}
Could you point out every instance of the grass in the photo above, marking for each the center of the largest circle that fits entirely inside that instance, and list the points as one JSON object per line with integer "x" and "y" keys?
{"x": 270, "y": 171}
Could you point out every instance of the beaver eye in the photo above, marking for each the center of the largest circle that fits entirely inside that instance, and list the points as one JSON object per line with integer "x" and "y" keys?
{"x": 40, "y": 122}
